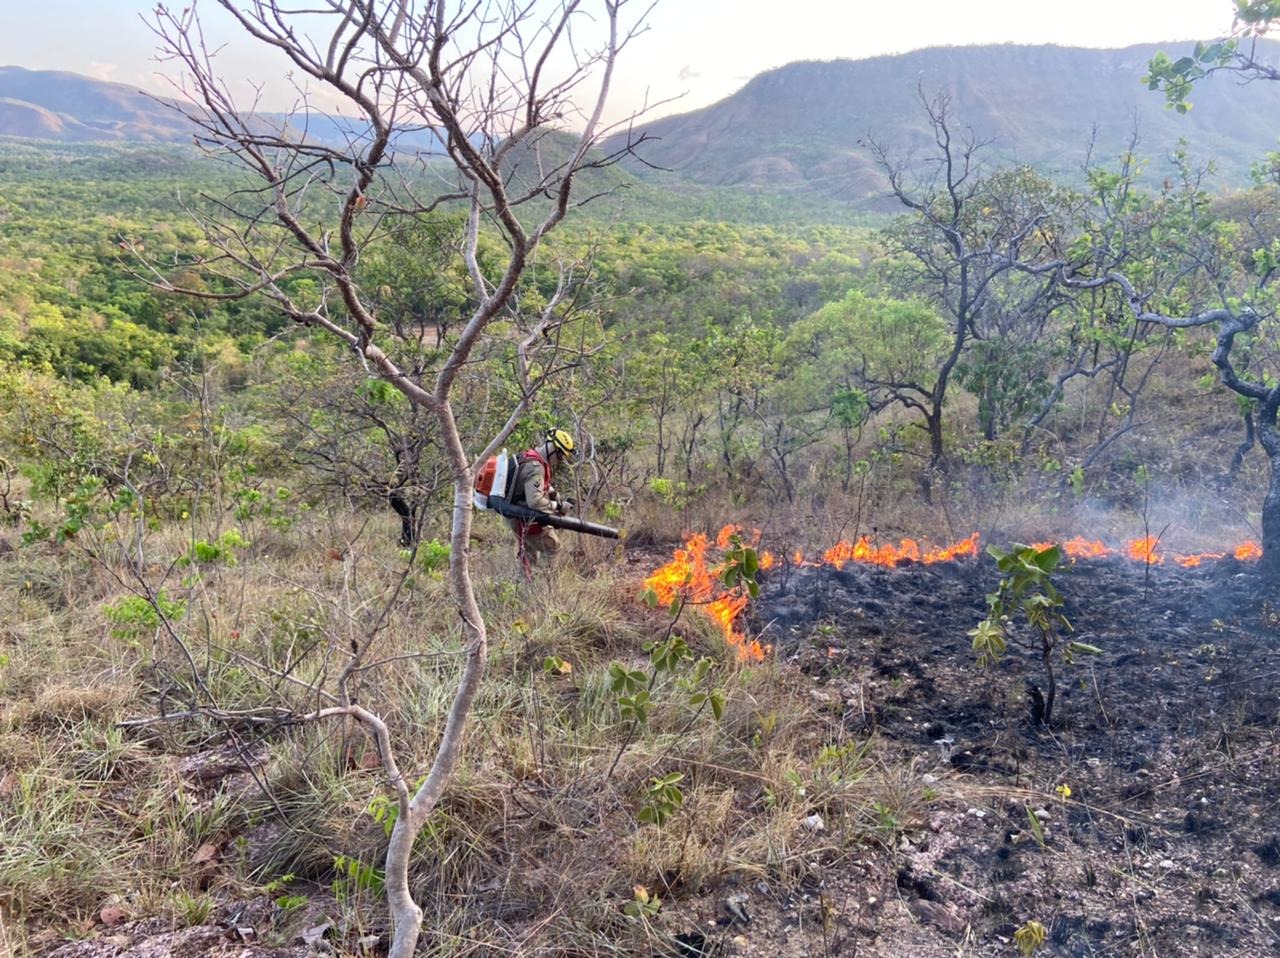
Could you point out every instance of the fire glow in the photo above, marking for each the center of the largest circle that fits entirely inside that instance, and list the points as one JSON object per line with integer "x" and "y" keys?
{"x": 1147, "y": 551}
{"x": 689, "y": 575}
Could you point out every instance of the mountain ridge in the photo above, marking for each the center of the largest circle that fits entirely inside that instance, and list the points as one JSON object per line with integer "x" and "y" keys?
{"x": 803, "y": 126}
{"x": 801, "y": 129}
{"x": 72, "y": 108}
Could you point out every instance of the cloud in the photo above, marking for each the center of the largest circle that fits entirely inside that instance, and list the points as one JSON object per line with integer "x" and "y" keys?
{"x": 102, "y": 71}
{"x": 687, "y": 72}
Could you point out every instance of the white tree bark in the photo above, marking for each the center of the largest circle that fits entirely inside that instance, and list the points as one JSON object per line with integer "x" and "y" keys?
{"x": 491, "y": 79}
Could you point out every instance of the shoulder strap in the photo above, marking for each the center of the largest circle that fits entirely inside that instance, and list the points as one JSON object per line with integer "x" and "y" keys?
{"x": 535, "y": 456}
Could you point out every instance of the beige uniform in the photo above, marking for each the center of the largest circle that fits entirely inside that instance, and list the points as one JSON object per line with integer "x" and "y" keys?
{"x": 535, "y": 541}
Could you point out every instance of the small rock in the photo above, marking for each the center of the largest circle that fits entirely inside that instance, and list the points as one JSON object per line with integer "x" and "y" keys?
{"x": 929, "y": 779}
{"x": 369, "y": 942}
{"x": 738, "y": 944}
{"x": 313, "y": 937}
{"x": 1042, "y": 814}
{"x": 1167, "y": 864}
{"x": 977, "y": 813}
{"x": 814, "y": 823}
{"x": 206, "y": 853}
{"x": 735, "y": 906}
{"x": 936, "y": 914}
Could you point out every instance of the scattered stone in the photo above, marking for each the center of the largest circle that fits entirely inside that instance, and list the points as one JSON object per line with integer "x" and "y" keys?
{"x": 735, "y": 906}
{"x": 937, "y": 914}
{"x": 313, "y": 937}
{"x": 143, "y": 941}
{"x": 814, "y": 823}
{"x": 1042, "y": 814}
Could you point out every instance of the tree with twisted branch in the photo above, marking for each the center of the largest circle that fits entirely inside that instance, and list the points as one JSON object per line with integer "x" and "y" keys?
{"x": 1236, "y": 277}
{"x": 493, "y": 85}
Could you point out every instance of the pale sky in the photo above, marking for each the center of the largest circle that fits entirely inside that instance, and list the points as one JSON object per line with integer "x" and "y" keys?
{"x": 702, "y": 50}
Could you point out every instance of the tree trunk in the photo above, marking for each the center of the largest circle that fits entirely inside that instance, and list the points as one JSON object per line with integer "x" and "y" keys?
{"x": 1271, "y": 523}
{"x": 1270, "y": 441}
{"x": 1047, "y": 657}
{"x": 408, "y": 525}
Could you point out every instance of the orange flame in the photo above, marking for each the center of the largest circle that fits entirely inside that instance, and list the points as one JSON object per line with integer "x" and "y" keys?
{"x": 688, "y": 575}
{"x": 965, "y": 548}
{"x": 908, "y": 550}
{"x": 1082, "y": 548}
{"x": 1193, "y": 561}
{"x": 1143, "y": 550}
{"x": 1250, "y": 550}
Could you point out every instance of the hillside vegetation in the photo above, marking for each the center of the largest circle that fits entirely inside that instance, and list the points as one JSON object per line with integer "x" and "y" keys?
{"x": 216, "y": 523}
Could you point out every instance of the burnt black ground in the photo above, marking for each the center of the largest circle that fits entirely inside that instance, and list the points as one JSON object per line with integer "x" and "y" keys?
{"x": 1169, "y": 742}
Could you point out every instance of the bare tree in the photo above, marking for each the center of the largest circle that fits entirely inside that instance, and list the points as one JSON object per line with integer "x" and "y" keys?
{"x": 1182, "y": 261}
{"x": 966, "y": 232}
{"x": 1239, "y": 312}
{"x": 491, "y": 85}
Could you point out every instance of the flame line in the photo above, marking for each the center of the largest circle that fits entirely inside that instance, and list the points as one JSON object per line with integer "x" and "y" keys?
{"x": 689, "y": 575}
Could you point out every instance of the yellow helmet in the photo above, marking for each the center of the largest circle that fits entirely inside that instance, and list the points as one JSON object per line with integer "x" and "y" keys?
{"x": 560, "y": 440}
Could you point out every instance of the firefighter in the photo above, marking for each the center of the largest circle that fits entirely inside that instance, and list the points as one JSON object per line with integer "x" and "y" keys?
{"x": 534, "y": 489}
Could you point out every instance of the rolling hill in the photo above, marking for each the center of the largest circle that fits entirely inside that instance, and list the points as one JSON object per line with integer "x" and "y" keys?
{"x": 802, "y": 127}
{"x": 798, "y": 134}
{"x": 70, "y": 108}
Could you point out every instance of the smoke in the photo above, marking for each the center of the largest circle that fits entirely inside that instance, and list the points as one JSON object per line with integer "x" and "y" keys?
{"x": 1183, "y": 517}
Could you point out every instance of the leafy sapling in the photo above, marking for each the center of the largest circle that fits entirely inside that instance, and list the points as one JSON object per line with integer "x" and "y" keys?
{"x": 1025, "y": 592}
{"x": 673, "y": 664}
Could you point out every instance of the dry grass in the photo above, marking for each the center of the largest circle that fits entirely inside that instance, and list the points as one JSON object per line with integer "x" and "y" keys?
{"x": 538, "y": 831}
{"x": 536, "y": 847}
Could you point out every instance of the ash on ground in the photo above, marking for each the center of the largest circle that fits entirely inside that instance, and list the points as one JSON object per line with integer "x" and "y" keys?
{"x": 1168, "y": 742}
